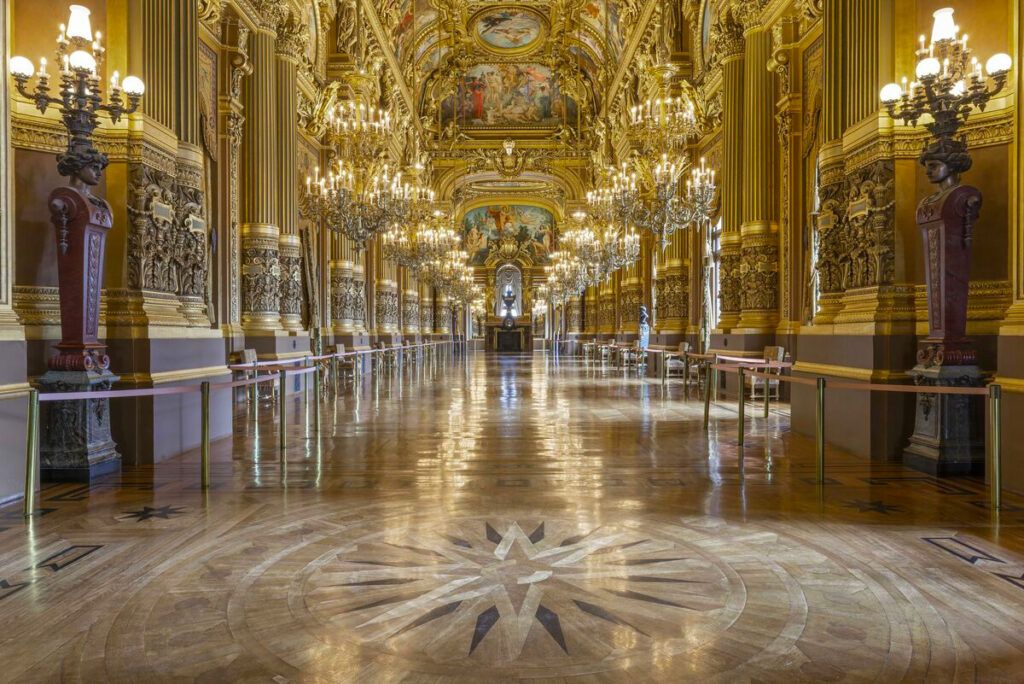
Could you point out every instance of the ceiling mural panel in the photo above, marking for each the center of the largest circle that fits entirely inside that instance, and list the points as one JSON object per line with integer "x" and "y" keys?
{"x": 508, "y": 95}
{"x": 509, "y": 30}
{"x": 488, "y": 230}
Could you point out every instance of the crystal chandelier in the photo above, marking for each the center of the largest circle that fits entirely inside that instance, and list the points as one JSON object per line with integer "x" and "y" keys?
{"x": 600, "y": 247}
{"x": 950, "y": 82}
{"x": 79, "y": 58}
{"x": 357, "y": 201}
{"x": 416, "y": 245}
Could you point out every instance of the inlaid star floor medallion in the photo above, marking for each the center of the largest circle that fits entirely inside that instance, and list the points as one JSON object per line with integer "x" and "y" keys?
{"x": 517, "y": 590}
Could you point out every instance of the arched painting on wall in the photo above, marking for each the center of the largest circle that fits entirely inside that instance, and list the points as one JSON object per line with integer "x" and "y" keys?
{"x": 531, "y": 227}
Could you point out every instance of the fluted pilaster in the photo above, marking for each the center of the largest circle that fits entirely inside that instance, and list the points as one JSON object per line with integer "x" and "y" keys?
{"x": 732, "y": 188}
{"x": 759, "y": 265}
{"x": 259, "y": 213}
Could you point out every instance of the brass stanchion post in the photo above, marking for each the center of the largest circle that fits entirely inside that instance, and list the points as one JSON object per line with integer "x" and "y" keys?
{"x": 742, "y": 406}
{"x": 204, "y": 449}
{"x": 282, "y": 410}
{"x": 707, "y": 397}
{"x": 995, "y": 478}
{"x": 255, "y": 385}
{"x": 820, "y": 432}
{"x": 767, "y": 389}
{"x": 316, "y": 397}
{"x": 31, "y": 453}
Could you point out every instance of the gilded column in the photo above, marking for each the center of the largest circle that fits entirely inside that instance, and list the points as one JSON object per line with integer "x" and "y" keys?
{"x": 672, "y": 289}
{"x": 426, "y": 310}
{"x": 261, "y": 267}
{"x": 292, "y": 35}
{"x": 630, "y": 298}
{"x": 357, "y": 287}
{"x": 191, "y": 203}
{"x": 410, "y": 305}
{"x": 232, "y": 126}
{"x": 730, "y": 45}
{"x": 759, "y": 266}
{"x": 830, "y": 163}
{"x": 341, "y": 284}
{"x": 574, "y": 316}
{"x": 442, "y": 314}
{"x": 386, "y": 307}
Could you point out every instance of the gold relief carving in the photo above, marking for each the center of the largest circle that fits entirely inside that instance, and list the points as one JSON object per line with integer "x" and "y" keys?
{"x": 292, "y": 35}
{"x": 210, "y": 13}
{"x": 783, "y": 128}
{"x": 759, "y": 273}
{"x": 630, "y": 299}
{"x": 290, "y": 260}
{"x": 748, "y": 13}
{"x": 260, "y": 273}
{"x": 731, "y": 281}
{"x": 208, "y": 99}
{"x": 811, "y": 10}
{"x": 673, "y": 298}
{"x": 236, "y": 126}
{"x": 313, "y": 115}
{"x": 167, "y": 239}
{"x": 411, "y": 312}
{"x": 240, "y": 64}
{"x": 387, "y": 307}
{"x": 869, "y": 237}
{"x": 987, "y": 300}
{"x": 270, "y": 13}
{"x": 878, "y": 304}
{"x": 36, "y": 305}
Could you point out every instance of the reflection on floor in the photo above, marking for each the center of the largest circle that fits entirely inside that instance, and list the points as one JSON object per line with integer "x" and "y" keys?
{"x": 513, "y": 517}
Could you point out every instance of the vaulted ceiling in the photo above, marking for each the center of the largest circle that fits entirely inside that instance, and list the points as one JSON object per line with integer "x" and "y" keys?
{"x": 476, "y": 74}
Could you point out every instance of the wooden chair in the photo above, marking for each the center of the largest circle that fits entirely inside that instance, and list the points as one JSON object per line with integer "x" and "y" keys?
{"x": 771, "y": 353}
{"x": 675, "y": 362}
{"x": 633, "y": 355}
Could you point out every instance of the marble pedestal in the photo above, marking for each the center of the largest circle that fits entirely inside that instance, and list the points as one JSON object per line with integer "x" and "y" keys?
{"x": 949, "y": 429}
{"x": 75, "y": 443}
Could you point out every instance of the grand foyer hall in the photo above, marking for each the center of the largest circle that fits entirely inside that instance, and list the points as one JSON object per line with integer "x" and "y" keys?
{"x": 460, "y": 340}
{"x": 495, "y": 518}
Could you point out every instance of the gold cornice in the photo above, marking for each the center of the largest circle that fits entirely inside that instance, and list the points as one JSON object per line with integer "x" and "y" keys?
{"x": 850, "y": 372}
{"x": 163, "y": 377}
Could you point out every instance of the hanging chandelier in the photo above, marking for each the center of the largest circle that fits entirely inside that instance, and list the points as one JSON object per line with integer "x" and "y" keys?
{"x": 357, "y": 201}
{"x": 417, "y": 245}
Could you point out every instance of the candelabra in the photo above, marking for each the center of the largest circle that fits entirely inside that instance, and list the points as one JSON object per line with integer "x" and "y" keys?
{"x": 357, "y": 201}
{"x": 79, "y": 56}
{"x": 77, "y": 442}
{"x": 950, "y": 82}
{"x": 949, "y": 85}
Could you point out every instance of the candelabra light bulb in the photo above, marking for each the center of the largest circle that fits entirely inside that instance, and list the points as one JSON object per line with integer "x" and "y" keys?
{"x": 80, "y": 60}
{"x": 133, "y": 85}
{"x": 20, "y": 67}
{"x": 891, "y": 93}
{"x": 78, "y": 23}
{"x": 998, "y": 64}
{"x": 928, "y": 67}
{"x": 944, "y": 27}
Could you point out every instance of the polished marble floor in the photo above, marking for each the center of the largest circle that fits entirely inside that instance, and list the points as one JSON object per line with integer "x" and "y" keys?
{"x": 513, "y": 518}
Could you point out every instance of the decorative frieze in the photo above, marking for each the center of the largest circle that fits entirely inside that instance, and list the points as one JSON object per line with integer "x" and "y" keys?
{"x": 673, "y": 298}
{"x": 167, "y": 238}
{"x": 291, "y": 298}
{"x": 261, "y": 273}
{"x": 759, "y": 273}
{"x": 731, "y": 282}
